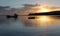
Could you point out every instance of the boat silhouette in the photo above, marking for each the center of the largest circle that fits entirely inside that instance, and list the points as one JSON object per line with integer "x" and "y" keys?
{"x": 32, "y": 15}
{"x": 10, "y": 16}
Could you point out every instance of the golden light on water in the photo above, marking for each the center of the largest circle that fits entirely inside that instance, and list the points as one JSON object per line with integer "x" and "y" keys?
{"x": 43, "y": 21}
{"x": 44, "y": 18}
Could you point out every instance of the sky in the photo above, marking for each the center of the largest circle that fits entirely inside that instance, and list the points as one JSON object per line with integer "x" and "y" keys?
{"x": 18, "y": 3}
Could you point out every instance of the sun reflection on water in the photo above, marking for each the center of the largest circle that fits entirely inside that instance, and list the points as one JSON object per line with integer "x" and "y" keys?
{"x": 43, "y": 18}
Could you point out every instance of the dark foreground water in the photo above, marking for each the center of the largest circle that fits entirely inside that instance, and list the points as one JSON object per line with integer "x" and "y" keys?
{"x": 21, "y": 27}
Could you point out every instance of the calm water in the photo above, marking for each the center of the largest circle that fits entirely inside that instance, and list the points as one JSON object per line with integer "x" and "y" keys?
{"x": 29, "y": 27}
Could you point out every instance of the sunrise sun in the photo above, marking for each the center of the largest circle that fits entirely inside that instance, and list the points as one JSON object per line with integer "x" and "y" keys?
{"x": 43, "y": 18}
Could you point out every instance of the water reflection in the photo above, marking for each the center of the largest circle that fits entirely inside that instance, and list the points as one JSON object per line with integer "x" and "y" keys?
{"x": 41, "y": 20}
{"x": 42, "y": 26}
{"x": 44, "y": 20}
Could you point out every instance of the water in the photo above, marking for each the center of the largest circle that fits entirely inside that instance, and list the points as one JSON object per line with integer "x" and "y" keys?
{"x": 28, "y": 27}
